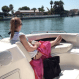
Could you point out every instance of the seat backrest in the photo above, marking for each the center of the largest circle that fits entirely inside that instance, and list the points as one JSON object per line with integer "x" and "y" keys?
{"x": 22, "y": 48}
{"x": 69, "y": 37}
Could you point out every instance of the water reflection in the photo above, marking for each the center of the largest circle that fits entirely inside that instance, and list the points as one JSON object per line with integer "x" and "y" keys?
{"x": 4, "y": 28}
{"x": 68, "y": 24}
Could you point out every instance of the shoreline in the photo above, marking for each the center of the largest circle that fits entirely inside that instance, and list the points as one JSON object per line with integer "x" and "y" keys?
{"x": 32, "y": 17}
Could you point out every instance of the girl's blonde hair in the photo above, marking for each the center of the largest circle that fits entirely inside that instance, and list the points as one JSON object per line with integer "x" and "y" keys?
{"x": 14, "y": 24}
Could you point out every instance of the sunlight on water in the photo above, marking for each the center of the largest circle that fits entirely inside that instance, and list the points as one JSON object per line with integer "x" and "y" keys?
{"x": 68, "y": 24}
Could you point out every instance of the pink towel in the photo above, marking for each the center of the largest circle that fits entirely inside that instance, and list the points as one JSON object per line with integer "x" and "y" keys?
{"x": 45, "y": 49}
{"x": 37, "y": 65}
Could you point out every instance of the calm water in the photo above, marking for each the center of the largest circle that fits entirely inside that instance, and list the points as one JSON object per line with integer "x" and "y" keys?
{"x": 67, "y": 24}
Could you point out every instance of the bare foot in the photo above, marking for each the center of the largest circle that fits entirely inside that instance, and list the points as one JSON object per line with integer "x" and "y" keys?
{"x": 58, "y": 39}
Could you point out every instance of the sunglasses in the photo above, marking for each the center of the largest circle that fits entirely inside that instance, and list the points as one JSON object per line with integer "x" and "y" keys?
{"x": 21, "y": 24}
{"x": 16, "y": 22}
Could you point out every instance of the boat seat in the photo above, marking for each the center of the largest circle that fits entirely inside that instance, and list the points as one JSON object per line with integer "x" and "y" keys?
{"x": 22, "y": 48}
{"x": 61, "y": 48}
{"x": 19, "y": 63}
{"x": 5, "y": 40}
{"x": 74, "y": 50}
{"x": 69, "y": 74}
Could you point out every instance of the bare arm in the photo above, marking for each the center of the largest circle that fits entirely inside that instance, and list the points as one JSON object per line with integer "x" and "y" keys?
{"x": 26, "y": 45}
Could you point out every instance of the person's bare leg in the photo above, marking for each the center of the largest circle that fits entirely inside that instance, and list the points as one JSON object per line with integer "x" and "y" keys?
{"x": 56, "y": 41}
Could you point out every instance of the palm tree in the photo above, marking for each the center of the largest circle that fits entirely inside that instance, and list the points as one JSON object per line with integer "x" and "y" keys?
{"x": 34, "y": 10}
{"x": 39, "y": 10}
{"x": 42, "y": 8}
{"x": 51, "y": 2}
{"x": 61, "y": 6}
{"x": 11, "y": 8}
{"x": 47, "y": 8}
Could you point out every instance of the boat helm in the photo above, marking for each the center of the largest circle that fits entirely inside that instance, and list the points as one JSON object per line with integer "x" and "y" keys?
{"x": 5, "y": 58}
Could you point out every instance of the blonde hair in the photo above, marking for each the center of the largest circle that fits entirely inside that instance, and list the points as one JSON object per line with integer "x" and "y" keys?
{"x": 14, "y": 24}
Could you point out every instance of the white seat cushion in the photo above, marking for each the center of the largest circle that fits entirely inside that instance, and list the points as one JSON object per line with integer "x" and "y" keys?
{"x": 22, "y": 48}
{"x": 75, "y": 50}
{"x": 70, "y": 74}
{"x": 61, "y": 48}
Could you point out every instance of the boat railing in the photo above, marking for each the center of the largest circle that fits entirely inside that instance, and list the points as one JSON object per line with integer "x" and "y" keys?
{"x": 48, "y": 32}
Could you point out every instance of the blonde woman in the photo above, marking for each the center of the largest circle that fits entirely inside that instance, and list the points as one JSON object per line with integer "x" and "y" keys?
{"x": 35, "y": 51}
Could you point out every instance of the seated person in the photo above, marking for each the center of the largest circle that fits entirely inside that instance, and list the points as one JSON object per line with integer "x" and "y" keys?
{"x": 39, "y": 50}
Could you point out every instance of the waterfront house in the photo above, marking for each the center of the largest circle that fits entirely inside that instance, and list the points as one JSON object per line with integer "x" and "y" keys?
{"x": 73, "y": 12}
{"x": 28, "y": 12}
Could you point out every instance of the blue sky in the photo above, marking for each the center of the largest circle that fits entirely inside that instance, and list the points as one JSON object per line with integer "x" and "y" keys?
{"x": 68, "y": 4}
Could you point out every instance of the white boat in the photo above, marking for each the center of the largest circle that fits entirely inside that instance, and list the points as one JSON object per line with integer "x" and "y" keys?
{"x": 14, "y": 59}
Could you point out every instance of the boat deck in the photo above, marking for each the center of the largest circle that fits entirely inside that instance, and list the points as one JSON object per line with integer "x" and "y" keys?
{"x": 68, "y": 52}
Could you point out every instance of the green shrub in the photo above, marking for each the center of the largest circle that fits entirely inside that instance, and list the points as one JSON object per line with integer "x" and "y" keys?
{"x": 1, "y": 17}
